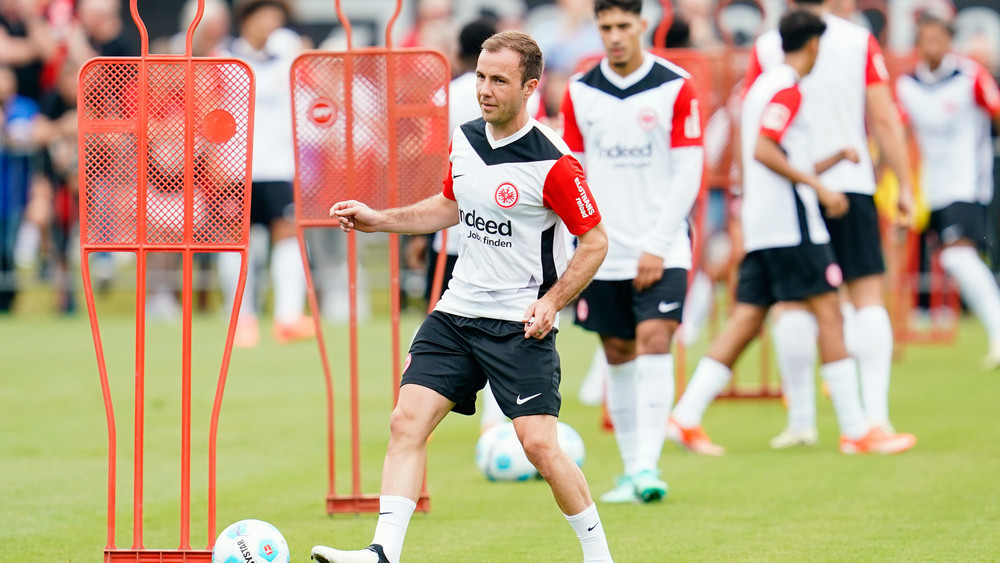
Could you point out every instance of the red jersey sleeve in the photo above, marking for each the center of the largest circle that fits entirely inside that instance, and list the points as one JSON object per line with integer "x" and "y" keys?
{"x": 753, "y": 70}
{"x": 875, "y": 71}
{"x": 571, "y": 130}
{"x": 686, "y": 129}
{"x": 449, "y": 183}
{"x": 779, "y": 113}
{"x": 987, "y": 94}
{"x": 566, "y": 192}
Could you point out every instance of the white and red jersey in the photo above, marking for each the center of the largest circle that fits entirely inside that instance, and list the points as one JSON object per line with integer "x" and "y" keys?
{"x": 640, "y": 140}
{"x": 774, "y": 214}
{"x": 949, "y": 110}
{"x": 271, "y": 66}
{"x": 849, "y": 62}
{"x": 513, "y": 196}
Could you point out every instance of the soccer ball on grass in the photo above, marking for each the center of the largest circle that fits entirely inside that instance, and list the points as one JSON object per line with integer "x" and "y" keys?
{"x": 250, "y": 541}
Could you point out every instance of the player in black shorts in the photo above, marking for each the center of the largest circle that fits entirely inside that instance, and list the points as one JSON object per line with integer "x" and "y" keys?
{"x": 788, "y": 257}
{"x": 645, "y": 166}
{"x": 511, "y": 187}
{"x": 957, "y": 181}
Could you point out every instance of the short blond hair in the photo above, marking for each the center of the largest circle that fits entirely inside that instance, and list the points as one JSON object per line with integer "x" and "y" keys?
{"x": 521, "y": 43}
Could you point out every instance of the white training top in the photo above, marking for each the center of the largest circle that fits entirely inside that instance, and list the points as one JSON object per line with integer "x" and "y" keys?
{"x": 273, "y": 148}
{"x": 640, "y": 140}
{"x": 773, "y": 214}
{"x": 834, "y": 95}
{"x": 949, "y": 111}
{"x": 513, "y": 195}
{"x": 463, "y": 106}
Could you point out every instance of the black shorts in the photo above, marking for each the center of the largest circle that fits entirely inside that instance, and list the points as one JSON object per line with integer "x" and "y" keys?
{"x": 855, "y": 237}
{"x": 270, "y": 201}
{"x": 456, "y": 356}
{"x": 960, "y": 220}
{"x": 614, "y": 308}
{"x": 787, "y": 274}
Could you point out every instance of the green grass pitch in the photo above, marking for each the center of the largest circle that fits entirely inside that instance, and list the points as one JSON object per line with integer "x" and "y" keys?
{"x": 939, "y": 502}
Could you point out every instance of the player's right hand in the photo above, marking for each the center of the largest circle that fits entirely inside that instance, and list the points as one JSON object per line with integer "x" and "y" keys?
{"x": 354, "y": 215}
{"x": 850, "y": 154}
{"x": 835, "y": 204}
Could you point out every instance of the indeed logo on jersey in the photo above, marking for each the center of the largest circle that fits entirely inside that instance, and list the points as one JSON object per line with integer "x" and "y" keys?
{"x": 486, "y": 227}
{"x": 619, "y": 151}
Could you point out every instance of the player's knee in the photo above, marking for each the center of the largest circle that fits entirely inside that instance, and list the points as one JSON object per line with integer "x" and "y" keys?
{"x": 406, "y": 426}
{"x": 656, "y": 343}
{"x": 541, "y": 452}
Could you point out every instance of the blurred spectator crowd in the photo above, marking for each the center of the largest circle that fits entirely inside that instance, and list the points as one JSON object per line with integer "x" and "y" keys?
{"x": 43, "y": 44}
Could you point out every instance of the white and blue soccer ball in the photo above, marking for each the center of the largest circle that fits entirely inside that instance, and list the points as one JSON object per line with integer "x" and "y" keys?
{"x": 500, "y": 457}
{"x": 250, "y": 541}
{"x": 571, "y": 443}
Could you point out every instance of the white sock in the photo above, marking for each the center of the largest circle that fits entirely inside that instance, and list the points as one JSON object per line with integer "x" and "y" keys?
{"x": 394, "y": 514}
{"x": 289, "y": 278}
{"x": 492, "y": 414}
{"x": 697, "y": 306}
{"x": 842, "y": 378}
{"x": 873, "y": 351}
{"x": 655, "y": 386}
{"x": 850, "y": 316}
{"x": 228, "y": 268}
{"x": 977, "y": 285}
{"x": 795, "y": 332}
{"x": 590, "y": 531}
{"x": 709, "y": 379}
{"x": 621, "y": 398}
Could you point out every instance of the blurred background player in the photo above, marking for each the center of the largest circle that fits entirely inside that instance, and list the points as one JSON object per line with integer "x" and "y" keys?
{"x": 498, "y": 318}
{"x": 18, "y": 115}
{"x": 633, "y": 122}
{"x": 949, "y": 102}
{"x": 269, "y": 48}
{"x": 788, "y": 251}
{"x": 849, "y": 81}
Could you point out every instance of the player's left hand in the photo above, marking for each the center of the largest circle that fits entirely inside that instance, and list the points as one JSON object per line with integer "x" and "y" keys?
{"x": 650, "y": 271}
{"x": 539, "y": 318}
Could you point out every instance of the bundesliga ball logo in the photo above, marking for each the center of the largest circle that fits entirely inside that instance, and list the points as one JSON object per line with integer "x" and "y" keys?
{"x": 506, "y": 195}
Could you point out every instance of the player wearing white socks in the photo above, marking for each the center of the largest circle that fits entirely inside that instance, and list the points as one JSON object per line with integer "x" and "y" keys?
{"x": 512, "y": 186}
{"x": 788, "y": 252}
{"x": 949, "y": 102}
{"x": 634, "y": 122}
{"x": 269, "y": 48}
{"x": 849, "y": 81}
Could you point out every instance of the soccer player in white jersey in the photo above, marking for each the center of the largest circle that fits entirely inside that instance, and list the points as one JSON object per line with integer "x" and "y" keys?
{"x": 849, "y": 81}
{"x": 788, "y": 252}
{"x": 269, "y": 48}
{"x": 949, "y": 102}
{"x": 511, "y": 186}
{"x": 633, "y": 121}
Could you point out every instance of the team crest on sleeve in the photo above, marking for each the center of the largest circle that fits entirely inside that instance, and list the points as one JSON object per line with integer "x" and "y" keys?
{"x": 506, "y": 195}
{"x": 648, "y": 119}
{"x": 406, "y": 365}
{"x": 775, "y": 117}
